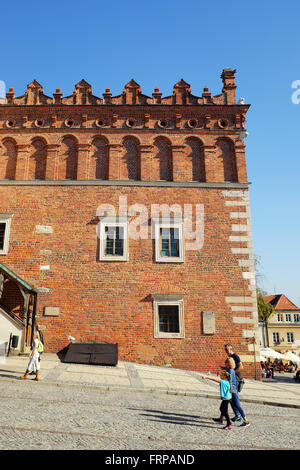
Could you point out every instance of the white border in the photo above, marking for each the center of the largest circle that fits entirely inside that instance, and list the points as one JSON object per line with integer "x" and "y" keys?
{"x": 160, "y": 334}
{"x": 113, "y": 222}
{"x": 169, "y": 223}
{"x": 6, "y": 218}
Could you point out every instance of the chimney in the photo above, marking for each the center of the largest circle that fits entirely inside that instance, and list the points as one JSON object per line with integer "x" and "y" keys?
{"x": 229, "y": 86}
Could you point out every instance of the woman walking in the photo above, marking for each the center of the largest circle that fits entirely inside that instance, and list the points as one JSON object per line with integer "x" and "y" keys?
{"x": 236, "y": 406}
{"x": 34, "y": 358}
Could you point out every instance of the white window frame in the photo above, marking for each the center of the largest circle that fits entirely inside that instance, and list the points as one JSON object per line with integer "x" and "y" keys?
{"x": 296, "y": 317}
{"x": 161, "y": 223}
{"x": 113, "y": 222}
{"x": 290, "y": 337}
{"x": 288, "y": 317}
{"x": 275, "y": 336}
{"x": 169, "y": 300}
{"x": 6, "y": 219}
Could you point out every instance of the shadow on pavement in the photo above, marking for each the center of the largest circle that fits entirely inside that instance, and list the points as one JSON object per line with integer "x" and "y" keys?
{"x": 175, "y": 418}
{"x": 5, "y": 370}
{"x": 283, "y": 378}
{"x": 8, "y": 376}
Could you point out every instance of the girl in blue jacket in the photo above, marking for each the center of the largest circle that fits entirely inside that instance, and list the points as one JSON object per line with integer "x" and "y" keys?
{"x": 225, "y": 393}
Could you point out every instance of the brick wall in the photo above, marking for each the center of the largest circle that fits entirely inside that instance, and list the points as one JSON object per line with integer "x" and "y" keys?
{"x": 59, "y": 163}
{"x": 104, "y": 301}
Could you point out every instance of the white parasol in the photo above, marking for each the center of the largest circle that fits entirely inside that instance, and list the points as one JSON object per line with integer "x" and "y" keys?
{"x": 290, "y": 356}
{"x": 269, "y": 352}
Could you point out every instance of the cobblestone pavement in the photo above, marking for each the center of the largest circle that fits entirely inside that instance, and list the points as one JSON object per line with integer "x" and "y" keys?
{"x": 80, "y": 418}
{"x": 283, "y": 391}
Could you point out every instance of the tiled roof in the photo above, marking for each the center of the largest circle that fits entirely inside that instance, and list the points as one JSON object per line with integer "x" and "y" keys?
{"x": 281, "y": 302}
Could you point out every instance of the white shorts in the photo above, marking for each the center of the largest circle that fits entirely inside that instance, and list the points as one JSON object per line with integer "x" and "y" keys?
{"x": 34, "y": 363}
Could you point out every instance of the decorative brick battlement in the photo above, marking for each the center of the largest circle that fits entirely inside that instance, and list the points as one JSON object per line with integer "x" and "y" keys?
{"x": 131, "y": 136}
{"x": 132, "y": 95}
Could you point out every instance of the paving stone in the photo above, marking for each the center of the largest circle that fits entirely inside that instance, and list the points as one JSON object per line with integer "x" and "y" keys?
{"x": 50, "y": 417}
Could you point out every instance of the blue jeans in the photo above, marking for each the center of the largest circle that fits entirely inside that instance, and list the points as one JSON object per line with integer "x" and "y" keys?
{"x": 236, "y": 405}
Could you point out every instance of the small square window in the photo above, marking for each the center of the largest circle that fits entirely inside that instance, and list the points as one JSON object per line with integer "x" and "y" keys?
{"x": 5, "y": 221}
{"x": 113, "y": 236}
{"x": 168, "y": 316}
{"x": 169, "y": 243}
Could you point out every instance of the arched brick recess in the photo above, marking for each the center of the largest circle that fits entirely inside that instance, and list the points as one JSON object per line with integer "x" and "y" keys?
{"x": 68, "y": 159}
{"x": 162, "y": 161}
{"x": 8, "y": 159}
{"x": 194, "y": 160}
{"x": 129, "y": 164}
{"x": 12, "y": 299}
{"x": 37, "y": 159}
{"x": 98, "y": 164}
{"x": 226, "y": 157}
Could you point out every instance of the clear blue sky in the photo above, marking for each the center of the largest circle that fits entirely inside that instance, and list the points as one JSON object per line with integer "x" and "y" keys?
{"x": 159, "y": 42}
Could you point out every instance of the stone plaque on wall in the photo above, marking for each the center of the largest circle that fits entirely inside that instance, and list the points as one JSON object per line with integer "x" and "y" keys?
{"x": 51, "y": 311}
{"x": 208, "y": 322}
{"x": 44, "y": 229}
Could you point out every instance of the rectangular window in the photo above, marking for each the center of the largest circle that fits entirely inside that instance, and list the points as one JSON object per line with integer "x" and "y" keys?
{"x": 114, "y": 241}
{"x": 2, "y": 234}
{"x": 168, "y": 316}
{"x": 288, "y": 317}
{"x": 276, "y": 338}
{"x": 296, "y": 317}
{"x": 113, "y": 234}
{"x": 5, "y": 222}
{"x": 169, "y": 243}
{"x": 279, "y": 317}
{"x": 290, "y": 337}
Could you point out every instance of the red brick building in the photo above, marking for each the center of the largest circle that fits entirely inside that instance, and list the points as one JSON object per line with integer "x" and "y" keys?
{"x": 169, "y": 290}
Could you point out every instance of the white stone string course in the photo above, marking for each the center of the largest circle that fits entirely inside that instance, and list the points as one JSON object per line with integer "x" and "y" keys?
{"x": 241, "y": 222}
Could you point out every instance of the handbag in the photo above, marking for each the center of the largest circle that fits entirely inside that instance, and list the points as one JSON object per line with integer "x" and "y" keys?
{"x": 240, "y": 384}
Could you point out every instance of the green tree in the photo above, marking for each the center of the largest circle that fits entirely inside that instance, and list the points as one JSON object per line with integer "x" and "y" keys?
{"x": 264, "y": 310}
{"x": 263, "y": 307}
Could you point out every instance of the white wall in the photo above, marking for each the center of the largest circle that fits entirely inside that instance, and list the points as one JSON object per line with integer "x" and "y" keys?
{"x": 7, "y": 327}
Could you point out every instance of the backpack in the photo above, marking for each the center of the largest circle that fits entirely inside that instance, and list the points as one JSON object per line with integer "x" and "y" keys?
{"x": 40, "y": 347}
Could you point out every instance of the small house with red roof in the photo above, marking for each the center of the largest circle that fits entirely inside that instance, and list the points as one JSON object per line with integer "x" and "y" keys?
{"x": 284, "y": 324}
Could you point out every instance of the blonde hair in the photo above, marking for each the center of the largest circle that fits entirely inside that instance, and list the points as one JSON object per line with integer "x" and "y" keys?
{"x": 231, "y": 362}
{"x": 225, "y": 374}
{"x": 227, "y": 377}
